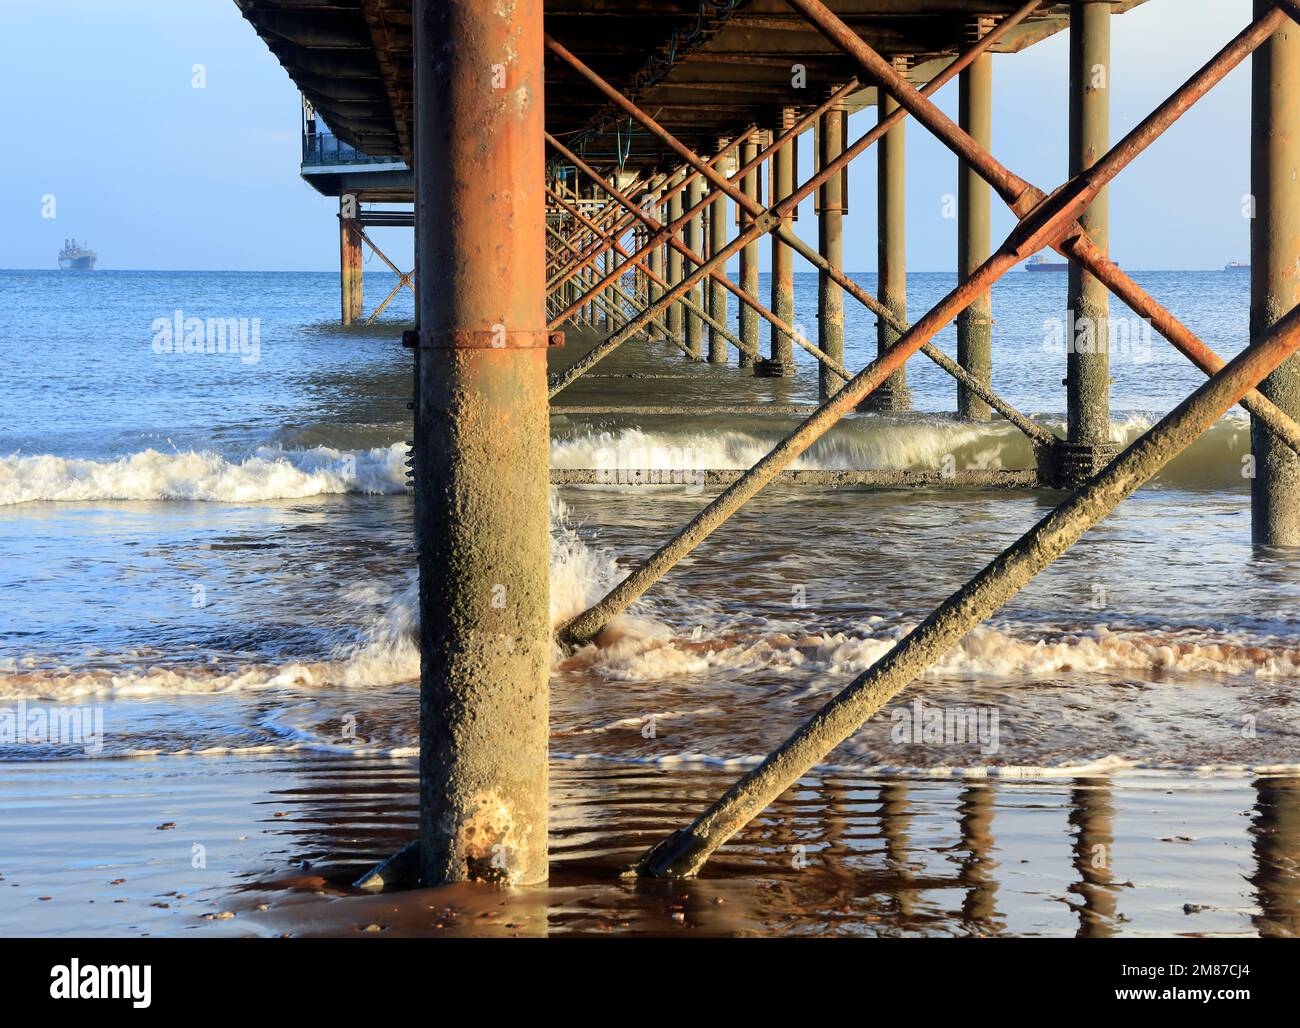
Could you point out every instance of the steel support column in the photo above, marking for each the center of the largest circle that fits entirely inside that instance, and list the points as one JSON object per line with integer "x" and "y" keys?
{"x": 694, "y": 239}
{"x": 752, "y": 185}
{"x": 593, "y": 308}
{"x": 975, "y": 323}
{"x": 1087, "y": 335}
{"x": 613, "y": 307}
{"x": 717, "y": 294}
{"x": 892, "y": 252}
{"x": 830, "y": 238}
{"x": 675, "y": 271}
{"x": 482, "y": 442}
{"x": 1274, "y": 282}
{"x": 606, "y": 318}
{"x": 653, "y": 291}
{"x": 350, "y": 284}
{"x": 780, "y": 362}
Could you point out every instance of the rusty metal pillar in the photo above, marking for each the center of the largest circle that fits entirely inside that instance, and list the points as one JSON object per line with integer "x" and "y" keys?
{"x": 641, "y": 287}
{"x": 975, "y": 323}
{"x": 606, "y": 265}
{"x": 482, "y": 447}
{"x": 675, "y": 265}
{"x": 653, "y": 291}
{"x": 830, "y": 238}
{"x": 717, "y": 292}
{"x": 613, "y": 306}
{"x": 780, "y": 361}
{"x": 593, "y": 308}
{"x": 350, "y": 283}
{"x": 892, "y": 248}
{"x": 694, "y": 243}
{"x": 1088, "y": 447}
{"x": 752, "y": 186}
{"x": 1275, "y": 272}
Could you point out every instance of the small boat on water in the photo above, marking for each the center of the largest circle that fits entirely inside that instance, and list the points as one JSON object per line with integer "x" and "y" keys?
{"x": 74, "y": 257}
{"x": 1236, "y": 266}
{"x": 1040, "y": 263}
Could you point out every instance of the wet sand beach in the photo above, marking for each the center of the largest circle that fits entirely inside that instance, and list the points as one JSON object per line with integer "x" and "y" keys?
{"x": 109, "y": 848}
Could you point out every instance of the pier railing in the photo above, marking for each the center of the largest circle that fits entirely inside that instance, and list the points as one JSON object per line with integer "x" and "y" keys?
{"x": 325, "y": 148}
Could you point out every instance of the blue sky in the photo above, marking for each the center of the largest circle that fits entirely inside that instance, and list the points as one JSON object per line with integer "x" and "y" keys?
{"x": 154, "y": 173}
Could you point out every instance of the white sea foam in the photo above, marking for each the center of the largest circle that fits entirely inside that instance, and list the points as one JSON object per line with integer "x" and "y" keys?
{"x": 268, "y": 474}
{"x": 643, "y": 650}
{"x": 656, "y": 655}
{"x": 384, "y": 650}
{"x": 1112, "y": 765}
{"x": 636, "y": 647}
{"x": 272, "y": 473}
{"x": 859, "y": 444}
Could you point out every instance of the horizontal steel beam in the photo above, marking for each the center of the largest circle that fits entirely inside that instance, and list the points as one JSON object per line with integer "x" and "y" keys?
{"x": 925, "y": 478}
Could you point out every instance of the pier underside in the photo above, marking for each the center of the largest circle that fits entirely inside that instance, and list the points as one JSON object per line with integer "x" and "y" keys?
{"x": 596, "y": 166}
{"x": 706, "y": 69}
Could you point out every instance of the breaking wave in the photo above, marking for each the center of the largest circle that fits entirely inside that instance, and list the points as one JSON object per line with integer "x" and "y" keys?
{"x": 268, "y": 474}
{"x": 640, "y": 649}
{"x": 867, "y": 443}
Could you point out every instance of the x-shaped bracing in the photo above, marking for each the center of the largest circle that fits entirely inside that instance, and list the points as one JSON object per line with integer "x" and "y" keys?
{"x": 1045, "y": 220}
{"x": 403, "y": 277}
{"x": 773, "y": 220}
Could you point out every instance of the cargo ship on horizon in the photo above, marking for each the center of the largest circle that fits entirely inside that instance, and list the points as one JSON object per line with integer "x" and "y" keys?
{"x": 74, "y": 257}
{"x": 1040, "y": 263}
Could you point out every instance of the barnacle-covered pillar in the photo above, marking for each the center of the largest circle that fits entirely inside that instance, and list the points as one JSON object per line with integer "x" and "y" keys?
{"x": 891, "y": 232}
{"x": 482, "y": 454}
{"x": 780, "y": 362}
{"x": 1088, "y": 446}
{"x": 1275, "y": 273}
{"x": 975, "y": 323}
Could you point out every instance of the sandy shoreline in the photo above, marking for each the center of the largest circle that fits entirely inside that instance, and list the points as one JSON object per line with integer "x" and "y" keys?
{"x": 265, "y": 846}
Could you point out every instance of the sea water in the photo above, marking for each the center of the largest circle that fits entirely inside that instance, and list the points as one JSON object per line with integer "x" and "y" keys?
{"x": 214, "y": 548}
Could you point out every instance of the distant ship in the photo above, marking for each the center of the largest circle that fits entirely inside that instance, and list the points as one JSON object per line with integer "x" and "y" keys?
{"x": 1040, "y": 263}
{"x": 1236, "y": 266}
{"x": 76, "y": 258}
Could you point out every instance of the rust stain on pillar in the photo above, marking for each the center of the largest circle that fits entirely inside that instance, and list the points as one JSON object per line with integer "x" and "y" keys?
{"x": 830, "y": 237}
{"x": 1275, "y": 272}
{"x": 780, "y": 362}
{"x": 675, "y": 265}
{"x": 694, "y": 239}
{"x": 350, "y": 282}
{"x": 1087, "y": 330}
{"x": 482, "y": 450}
{"x": 717, "y": 293}
{"x": 892, "y": 250}
{"x": 653, "y": 292}
{"x": 975, "y": 323}
{"x": 752, "y": 186}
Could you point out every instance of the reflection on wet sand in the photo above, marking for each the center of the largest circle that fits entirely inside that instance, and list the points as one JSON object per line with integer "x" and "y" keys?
{"x": 1275, "y": 835}
{"x": 979, "y": 908}
{"x": 1094, "y": 842}
{"x": 837, "y": 855}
